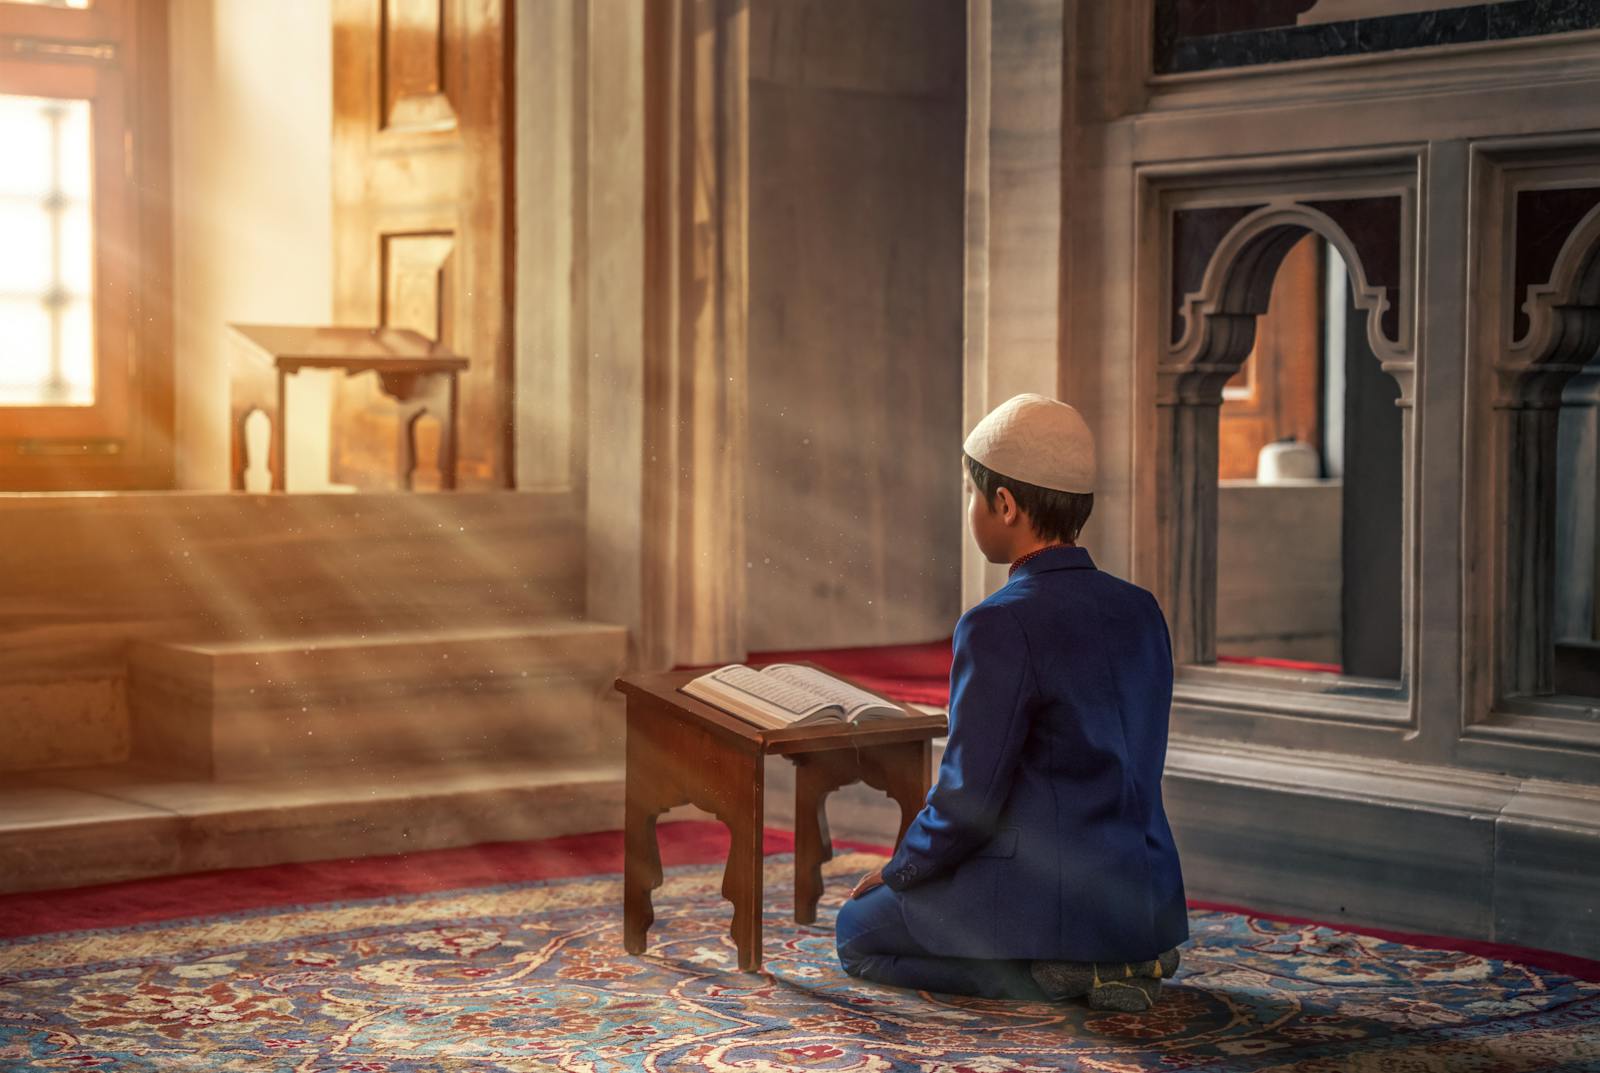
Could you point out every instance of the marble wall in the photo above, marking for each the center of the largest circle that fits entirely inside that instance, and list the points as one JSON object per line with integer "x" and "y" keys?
{"x": 253, "y": 214}
{"x": 857, "y": 117}
{"x": 1016, "y": 275}
{"x": 1279, "y": 570}
{"x": 1272, "y": 775}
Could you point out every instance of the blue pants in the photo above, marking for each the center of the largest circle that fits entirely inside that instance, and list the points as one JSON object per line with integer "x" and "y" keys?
{"x": 874, "y": 944}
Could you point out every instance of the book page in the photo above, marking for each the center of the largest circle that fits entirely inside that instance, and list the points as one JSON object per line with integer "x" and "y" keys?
{"x": 791, "y": 699}
{"x": 824, "y": 685}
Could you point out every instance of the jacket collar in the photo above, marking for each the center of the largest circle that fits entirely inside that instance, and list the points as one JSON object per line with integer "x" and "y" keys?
{"x": 1073, "y": 558}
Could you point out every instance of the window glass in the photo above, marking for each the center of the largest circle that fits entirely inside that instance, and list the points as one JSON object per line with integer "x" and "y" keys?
{"x": 46, "y": 253}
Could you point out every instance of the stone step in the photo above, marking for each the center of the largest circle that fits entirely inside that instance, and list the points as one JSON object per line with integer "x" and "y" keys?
{"x": 354, "y": 702}
{"x": 76, "y": 827}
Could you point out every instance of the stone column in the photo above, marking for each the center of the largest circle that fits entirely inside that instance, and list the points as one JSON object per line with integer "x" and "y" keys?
{"x": 696, "y": 107}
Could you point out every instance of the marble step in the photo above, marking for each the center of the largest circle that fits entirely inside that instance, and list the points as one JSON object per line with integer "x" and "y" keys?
{"x": 350, "y": 702}
{"x": 77, "y": 827}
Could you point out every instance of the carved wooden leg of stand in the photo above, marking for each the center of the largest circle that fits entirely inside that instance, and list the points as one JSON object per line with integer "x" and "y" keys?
{"x": 253, "y": 387}
{"x": 641, "y": 873}
{"x": 742, "y": 880}
{"x": 239, "y": 453}
{"x": 446, "y": 396}
{"x": 815, "y": 777}
{"x": 432, "y": 396}
{"x": 277, "y": 458}
{"x": 647, "y": 796}
{"x": 904, "y": 772}
{"x": 406, "y": 456}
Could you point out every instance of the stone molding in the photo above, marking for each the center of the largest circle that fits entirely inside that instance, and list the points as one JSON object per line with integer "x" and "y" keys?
{"x": 1352, "y": 840}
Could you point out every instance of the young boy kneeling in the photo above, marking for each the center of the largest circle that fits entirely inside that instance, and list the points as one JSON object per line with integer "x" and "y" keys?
{"x": 1041, "y": 864}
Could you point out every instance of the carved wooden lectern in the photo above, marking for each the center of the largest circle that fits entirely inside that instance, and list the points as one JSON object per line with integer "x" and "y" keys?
{"x": 683, "y": 751}
{"x": 416, "y": 372}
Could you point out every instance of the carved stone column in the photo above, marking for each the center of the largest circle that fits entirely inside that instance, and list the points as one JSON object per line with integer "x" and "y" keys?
{"x": 1187, "y": 512}
{"x": 1528, "y": 654}
{"x": 1577, "y": 494}
{"x": 1563, "y": 337}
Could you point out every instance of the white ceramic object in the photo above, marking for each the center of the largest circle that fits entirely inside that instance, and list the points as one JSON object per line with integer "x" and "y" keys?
{"x": 1287, "y": 460}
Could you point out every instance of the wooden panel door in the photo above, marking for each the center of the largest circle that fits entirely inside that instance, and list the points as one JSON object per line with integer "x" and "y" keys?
{"x": 1277, "y": 391}
{"x": 422, "y": 217}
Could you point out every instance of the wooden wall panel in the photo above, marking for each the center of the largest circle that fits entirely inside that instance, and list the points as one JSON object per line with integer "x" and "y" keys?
{"x": 412, "y": 66}
{"x": 422, "y": 140}
{"x": 417, "y": 284}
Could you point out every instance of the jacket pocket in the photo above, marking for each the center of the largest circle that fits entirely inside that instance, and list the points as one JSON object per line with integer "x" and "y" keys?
{"x": 1003, "y": 844}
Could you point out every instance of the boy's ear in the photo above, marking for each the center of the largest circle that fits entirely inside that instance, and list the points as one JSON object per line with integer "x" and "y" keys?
{"x": 1005, "y": 504}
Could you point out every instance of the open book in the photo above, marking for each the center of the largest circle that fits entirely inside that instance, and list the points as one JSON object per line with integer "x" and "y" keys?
{"x": 788, "y": 695}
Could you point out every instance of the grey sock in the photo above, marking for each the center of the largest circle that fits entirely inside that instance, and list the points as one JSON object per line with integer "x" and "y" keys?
{"x": 1063, "y": 979}
{"x": 1134, "y": 994}
{"x": 1110, "y": 985}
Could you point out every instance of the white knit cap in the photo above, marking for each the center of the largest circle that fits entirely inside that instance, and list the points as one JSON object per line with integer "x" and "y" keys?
{"x": 1036, "y": 440}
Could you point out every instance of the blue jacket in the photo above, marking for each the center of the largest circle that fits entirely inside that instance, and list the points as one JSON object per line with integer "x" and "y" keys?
{"x": 1044, "y": 835}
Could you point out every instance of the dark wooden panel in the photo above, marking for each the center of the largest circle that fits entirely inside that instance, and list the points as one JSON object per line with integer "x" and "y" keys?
{"x": 416, "y": 283}
{"x": 413, "y": 65}
{"x": 405, "y": 180}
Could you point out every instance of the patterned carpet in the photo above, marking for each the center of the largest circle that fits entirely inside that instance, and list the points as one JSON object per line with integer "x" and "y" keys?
{"x": 530, "y": 975}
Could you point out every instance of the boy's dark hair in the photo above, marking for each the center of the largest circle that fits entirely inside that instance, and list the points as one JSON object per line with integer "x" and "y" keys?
{"x": 1055, "y": 515}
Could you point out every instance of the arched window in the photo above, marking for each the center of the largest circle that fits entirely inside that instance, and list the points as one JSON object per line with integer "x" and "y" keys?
{"x": 1290, "y": 316}
{"x": 1309, "y": 498}
{"x": 1535, "y": 472}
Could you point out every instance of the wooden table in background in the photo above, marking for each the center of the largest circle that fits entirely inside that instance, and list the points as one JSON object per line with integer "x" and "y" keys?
{"x": 418, "y": 373}
{"x": 683, "y": 751}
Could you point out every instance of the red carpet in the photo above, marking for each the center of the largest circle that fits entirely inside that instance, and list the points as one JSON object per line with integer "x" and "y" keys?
{"x": 920, "y": 673}
{"x": 144, "y": 901}
{"x": 1281, "y": 664}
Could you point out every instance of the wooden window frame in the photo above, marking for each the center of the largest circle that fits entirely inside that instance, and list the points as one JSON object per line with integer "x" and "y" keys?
{"x": 114, "y": 54}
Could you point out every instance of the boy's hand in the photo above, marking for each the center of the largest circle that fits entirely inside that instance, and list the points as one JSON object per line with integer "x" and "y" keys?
{"x": 872, "y": 879}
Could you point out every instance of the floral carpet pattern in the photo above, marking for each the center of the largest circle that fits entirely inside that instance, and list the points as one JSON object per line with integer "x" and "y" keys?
{"x": 532, "y": 976}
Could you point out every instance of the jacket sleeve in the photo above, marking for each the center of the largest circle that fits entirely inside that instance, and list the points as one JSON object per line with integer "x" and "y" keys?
{"x": 990, "y": 687}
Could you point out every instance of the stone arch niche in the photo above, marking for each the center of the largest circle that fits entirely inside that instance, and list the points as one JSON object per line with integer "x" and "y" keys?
{"x": 1554, "y": 336}
{"x": 1222, "y": 260}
